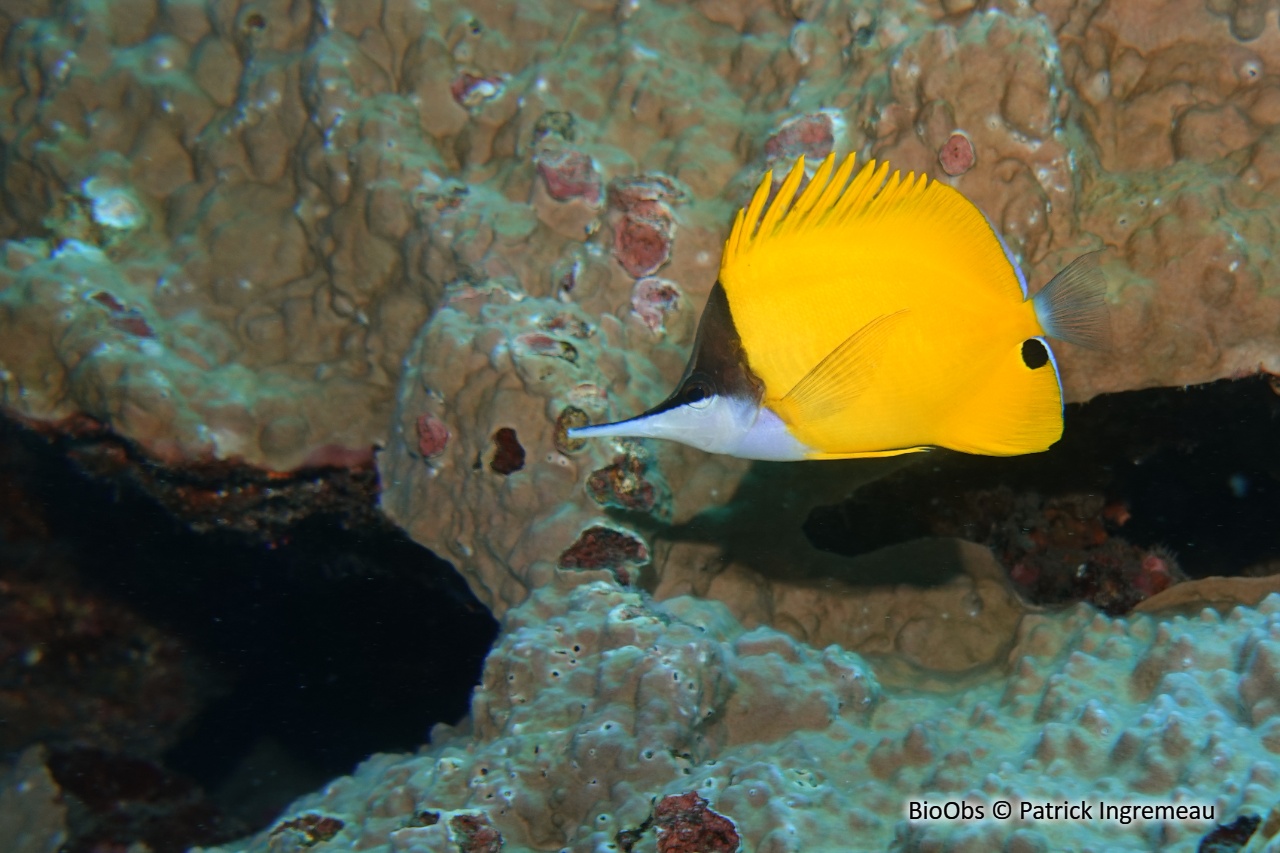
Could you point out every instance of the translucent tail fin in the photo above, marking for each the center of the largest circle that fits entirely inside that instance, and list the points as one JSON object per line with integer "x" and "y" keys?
{"x": 1073, "y": 306}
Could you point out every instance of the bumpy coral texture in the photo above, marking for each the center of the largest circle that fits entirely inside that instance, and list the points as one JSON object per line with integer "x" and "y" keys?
{"x": 595, "y": 706}
{"x": 33, "y": 815}
{"x": 290, "y": 233}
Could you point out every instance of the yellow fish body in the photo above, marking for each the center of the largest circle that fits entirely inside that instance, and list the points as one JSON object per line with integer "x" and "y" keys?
{"x": 873, "y": 316}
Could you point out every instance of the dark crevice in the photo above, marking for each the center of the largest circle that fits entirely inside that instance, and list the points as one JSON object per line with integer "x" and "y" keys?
{"x": 1193, "y": 471}
{"x": 325, "y": 645}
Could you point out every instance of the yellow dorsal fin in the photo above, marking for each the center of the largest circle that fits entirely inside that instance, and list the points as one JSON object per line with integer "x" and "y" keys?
{"x": 782, "y": 200}
{"x": 808, "y": 201}
{"x": 842, "y": 209}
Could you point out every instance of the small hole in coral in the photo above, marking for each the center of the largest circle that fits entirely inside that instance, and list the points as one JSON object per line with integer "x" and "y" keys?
{"x": 508, "y": 454}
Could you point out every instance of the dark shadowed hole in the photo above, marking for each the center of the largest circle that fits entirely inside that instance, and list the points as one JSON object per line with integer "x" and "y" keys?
{"x": 1197, "y": 469}
{"x": 332, "y": 643}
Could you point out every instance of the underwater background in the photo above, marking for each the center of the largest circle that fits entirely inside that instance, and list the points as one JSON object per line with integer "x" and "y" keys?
{"x": 300, "y": 299}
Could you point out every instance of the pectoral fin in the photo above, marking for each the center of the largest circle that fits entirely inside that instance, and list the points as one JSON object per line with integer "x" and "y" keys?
{"x": 834, "y": 383}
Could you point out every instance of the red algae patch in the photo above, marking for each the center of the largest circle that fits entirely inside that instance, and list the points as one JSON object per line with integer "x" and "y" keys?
{"x": 601, "y": 547}
{"x": 642, "y": 244}
{"x": 686, "y": 825}
{"x": 309, "y": 830}
{"x": 433, "y": 435}
{"x": 956, "y": 155}
{"x": 652, "y": 299}
{"x": 624, "y": 485}
{"x": 474, "y": 834}
{"x": 569, "y": 174}
{"x": 812, "y": 136}
{"x": 645, "y": 224}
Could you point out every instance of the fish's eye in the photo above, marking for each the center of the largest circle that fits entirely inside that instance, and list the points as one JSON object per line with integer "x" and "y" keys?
{"x": 696, "y": 394}
{"x": 1034, "y": 353}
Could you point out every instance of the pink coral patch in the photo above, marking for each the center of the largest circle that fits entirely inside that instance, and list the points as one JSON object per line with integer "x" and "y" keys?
{"x": 812, "y": 135}
{"x": 641, "y": 245}
{"x": 569, "y": 175}
{"x": 652, "y": 299}
{"x": 636, "y": 194}
{"x": 433, "y": 435}
{"x": 956, "y": 155}
{"x": 643, "y": 234}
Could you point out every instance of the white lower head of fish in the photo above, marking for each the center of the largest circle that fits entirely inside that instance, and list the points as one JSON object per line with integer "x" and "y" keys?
{"x": 717, "y": 425}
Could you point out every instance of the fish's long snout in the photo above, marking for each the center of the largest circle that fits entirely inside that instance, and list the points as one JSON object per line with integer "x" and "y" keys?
{"x": 619, "y": 429}
{"x": 665, "y": 420}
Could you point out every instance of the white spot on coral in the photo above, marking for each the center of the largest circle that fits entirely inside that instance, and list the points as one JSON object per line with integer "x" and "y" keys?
{"x": 71, "y": 248}
{"x": 113, "y": 207}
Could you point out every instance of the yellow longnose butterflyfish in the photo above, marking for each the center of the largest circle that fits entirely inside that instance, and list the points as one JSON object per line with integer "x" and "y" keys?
{"x": 872, "y": 317}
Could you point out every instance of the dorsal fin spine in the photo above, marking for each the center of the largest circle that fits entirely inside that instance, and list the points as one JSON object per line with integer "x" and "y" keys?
{"x": 830, "y": 200}
{"x": 861, "y": 192}
{"x": 799, "y": 216}
{"x": 755, "y": 208}
{"x": 833, "y": 188}
{"x": 782, "y": 201}
{"x": 735, "y": 234}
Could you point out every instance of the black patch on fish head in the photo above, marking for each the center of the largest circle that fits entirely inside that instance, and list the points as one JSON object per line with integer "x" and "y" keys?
{"x": 1034, "y": 353}
{"x": 718, "y": 366}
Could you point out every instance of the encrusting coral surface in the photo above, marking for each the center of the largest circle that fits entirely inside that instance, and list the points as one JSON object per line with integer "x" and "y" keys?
{"x": 287, "y": 235}
{"x": 596, "y": 705}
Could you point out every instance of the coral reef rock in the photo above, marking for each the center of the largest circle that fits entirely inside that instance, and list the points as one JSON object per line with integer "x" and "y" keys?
{"x": 283, "y": 235}
{"x": 33, "y": 816}
{"x": 286, "y": 234}
{"x": 597, "y": 705}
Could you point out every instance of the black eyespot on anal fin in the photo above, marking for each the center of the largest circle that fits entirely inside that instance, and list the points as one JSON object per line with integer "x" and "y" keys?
{"x": 1034, "y": 353}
